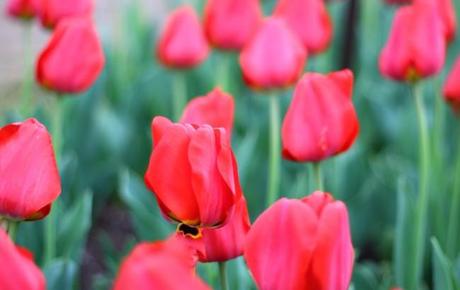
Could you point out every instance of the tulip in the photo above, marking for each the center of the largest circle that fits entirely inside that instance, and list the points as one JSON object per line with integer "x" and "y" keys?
{"x": 309, "y": 20}
{"x": 215, "y": 109}
{"x": 416, "y": 46}
{"x": 321, "y": 120}
{"x": 274, "y": 57}
{"x": 229, "y": 24}
{"x": 18, "y": 271}
{"x": 223, "y": 243}
{"x": 193, "y": 173}
{"x": 159, "y": 265}
{"x": 452, "y": 87}
{"x": 24, "y": 9}
{"x": 446, "y": 11}
{"x": 51, "y": 12}
{"x": 30, "y": 179}
{"x": 182, "y": 43}
{"x": 73, "y": 58}
{"x": 301, "y": 244}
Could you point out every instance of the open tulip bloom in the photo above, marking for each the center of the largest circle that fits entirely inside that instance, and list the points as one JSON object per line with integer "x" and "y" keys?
{"x": 193, "y": 174}
{"x": 301, "y": 244}
{"x": 30, "y": 179}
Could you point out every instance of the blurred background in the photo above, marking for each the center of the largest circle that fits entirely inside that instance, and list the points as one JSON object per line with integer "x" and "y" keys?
{"x": 105, "y": 208}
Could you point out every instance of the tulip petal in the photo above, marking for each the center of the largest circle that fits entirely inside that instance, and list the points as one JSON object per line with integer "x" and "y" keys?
{"x": 280, "y": 244}
{"x": 30, "y": 178}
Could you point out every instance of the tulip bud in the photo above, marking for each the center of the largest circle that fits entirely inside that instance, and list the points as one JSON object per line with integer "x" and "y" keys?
{"x": 310, "y": 20}
{"x": 30, "y": 179}
{"x": 416, "y": 46}
{"x": 73, "y": 58}
{"x": 321, "y": 121}
{"x": 229, "y": 24}
{"x": 274, "y": 57}
{"x": 446, "y": 11}
{"x": 452, "y": 87}
{"x": 182, "y": 43}
{"x": 215, "y": 109}
{"x": 159, "y": 265}
{"x": 301, "y": 244}
{"x": 24, "y": 9}
{"x": 18, "y": 269}
{"x": 193, "y": 174}
{"x": 51, "y": 12}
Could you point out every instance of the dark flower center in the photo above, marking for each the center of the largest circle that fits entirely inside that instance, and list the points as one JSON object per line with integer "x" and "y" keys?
{"x": 188, "y": 230}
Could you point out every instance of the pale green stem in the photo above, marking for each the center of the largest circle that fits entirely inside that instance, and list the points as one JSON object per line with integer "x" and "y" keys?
{"x": 223, "y": 71}
{"x": 454, "y": 223}
{"x": 318, "y": 176}
{"x": 28, "y": 77}
{"x": 223, "y": 276}
{"x": 179, "y": 91}
{"x": 422, "y": 203}
{"x": 274, "y": 150}
{"x": 50, "y": 220}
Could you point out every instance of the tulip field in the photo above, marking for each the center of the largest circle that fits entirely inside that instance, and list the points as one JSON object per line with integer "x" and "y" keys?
{"x": 230, "y": 144}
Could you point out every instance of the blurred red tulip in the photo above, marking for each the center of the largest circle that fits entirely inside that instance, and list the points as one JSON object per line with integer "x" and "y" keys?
{"x": 416, "y": 46}
{"x": 452, "y": 87}
{"x": 182, "y": 43}
{"x": 18, "y": 271}
{"x": 30, "y": 179}
{"x": 310, "y": 20}
{"x": 72, "y": 59}
{"x": 160, "y": 265}
{"x": 274, "y": 57}
{"x": 215, "y": 109}
{"x": 20, "y": 8}
{"x": 321, "y": 120}
{"x": 193, "y": 173}
{"x": 224, "y": 243}
{"x": 51, "y": 12}
{"x": 447, "y": 13}
{"x": 301, "y": 244}
{"x": 229, "y": 24}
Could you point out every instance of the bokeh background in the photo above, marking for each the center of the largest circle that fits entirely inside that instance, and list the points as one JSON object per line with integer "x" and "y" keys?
{"x": 105, "y": 208}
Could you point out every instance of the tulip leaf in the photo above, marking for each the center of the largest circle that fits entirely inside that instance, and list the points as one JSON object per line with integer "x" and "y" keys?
{"x": 147, "y": 219}
{"x": 443, "y": 274}
{"x": 61, "y": 274}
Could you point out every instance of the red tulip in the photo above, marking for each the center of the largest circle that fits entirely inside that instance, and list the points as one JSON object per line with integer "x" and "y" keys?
{"x": 447, "y": 13}
{"x": 72, "y": 59}
{"x": 229, "y": 24}
{"x": 416, "y": 47}
{"x": 224, "y": 243}
{"x": 321, "y": 120}
{"x": 301, "y": 244}
{"x": 309, "y": 20}
{"x": 215, "y": 109}
{"x": 160, "y": 265}
{"x": 182, "y": 44}
{"x": 274, "y": 58}
{"x": 193, "y": 173}
{"x": 51, "y": 12}
{"x": 30, "y": 179}
{"x": 18, "y": 271}
{"x": 21, "y": 8}
{"x": 452, "y": 87}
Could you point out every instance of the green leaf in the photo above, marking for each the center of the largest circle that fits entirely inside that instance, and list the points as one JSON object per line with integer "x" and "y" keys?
{"x": 443, "y": 275}
{"x": 60, "y": 274}
{"x": 147, "y": 219}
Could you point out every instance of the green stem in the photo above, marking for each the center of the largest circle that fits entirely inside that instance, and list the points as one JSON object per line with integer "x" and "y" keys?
{"x": 179, "y": 91}
{"x": 223, "y": 276}
{"x": 223, "y": 71}
{"x": 50, "y": 221}
{"x": 12, "y": 227}
{"x": 318, "y": 176}
{"x": 453, "y": 228}
{"x": 274, "y": 150}
{"x": 422, "y": 203}
{"x": 28, "y": 77}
